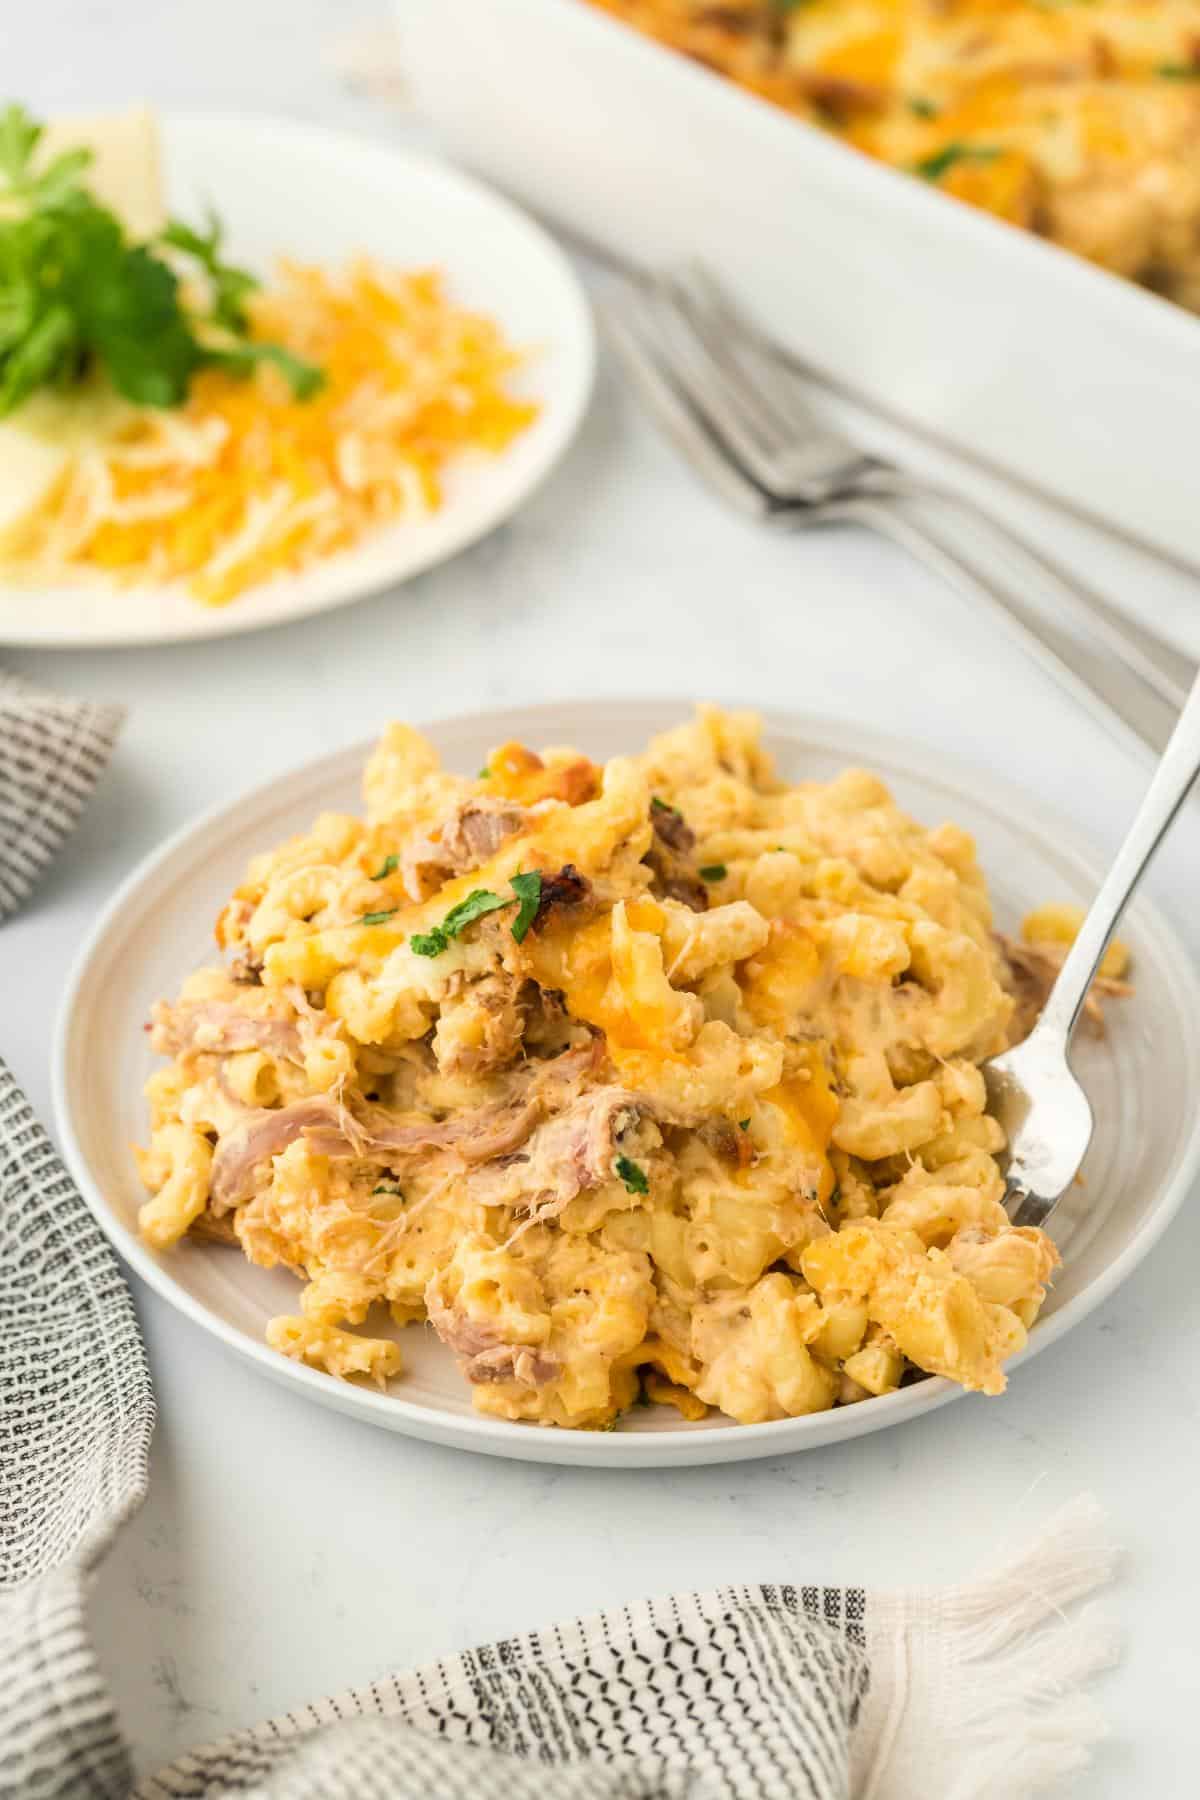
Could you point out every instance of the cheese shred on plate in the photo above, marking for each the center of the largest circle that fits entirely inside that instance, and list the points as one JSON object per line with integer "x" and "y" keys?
{"x": 245, "y": 482}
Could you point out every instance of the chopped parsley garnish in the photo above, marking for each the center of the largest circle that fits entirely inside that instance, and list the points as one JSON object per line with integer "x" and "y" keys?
{"x": 390, "y": 865}
{"x": 528, "y": 889}
{"x": 935, "y": 166}
{"x": 377, "y": 918}
{"x": 389, "y": 1187}
{"x": 485, "y": 774}
{"x": 923, "y": 109}
{"x": 76, "y": 294}
{"x": 743, "y": 1124}
{"x": 632, "y": 1175}
{"x": 713, "y": 872}
{"x": 477, "y": 905}
{"x": 1178, "y": 71}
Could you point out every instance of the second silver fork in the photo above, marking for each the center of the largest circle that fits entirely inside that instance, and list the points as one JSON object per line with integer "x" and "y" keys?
{"x": 737, "y": 413}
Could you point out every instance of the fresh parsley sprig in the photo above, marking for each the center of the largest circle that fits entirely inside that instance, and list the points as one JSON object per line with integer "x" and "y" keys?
{"x": 76, "y": 294}
{"x": 304, "y": 378}
{"x": 231, "y": 286}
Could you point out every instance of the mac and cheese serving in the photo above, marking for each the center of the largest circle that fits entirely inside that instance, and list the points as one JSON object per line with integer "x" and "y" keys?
{"x": 657, "y": 1081}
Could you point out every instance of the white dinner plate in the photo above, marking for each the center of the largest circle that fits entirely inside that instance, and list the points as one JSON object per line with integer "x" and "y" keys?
{"x": 1142, "y": 1077}
{"x": 322, "y": 196}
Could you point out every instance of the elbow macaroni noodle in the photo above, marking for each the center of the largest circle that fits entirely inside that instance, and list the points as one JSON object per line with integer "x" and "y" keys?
{"x": 658, "y": 1081}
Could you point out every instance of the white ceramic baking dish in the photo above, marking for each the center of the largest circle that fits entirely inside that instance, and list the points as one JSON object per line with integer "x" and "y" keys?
{"x": 999, "y": 343}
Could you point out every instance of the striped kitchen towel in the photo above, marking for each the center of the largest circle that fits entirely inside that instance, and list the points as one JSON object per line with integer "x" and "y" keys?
{"x": 52, "y": 752}
{"x": 786, "y": 1692}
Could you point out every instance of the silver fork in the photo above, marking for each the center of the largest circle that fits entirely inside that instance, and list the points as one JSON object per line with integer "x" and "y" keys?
{"x": 1031, "y": 1090}
{"x": 795, "y": 456}
{"x": 1043, "y": 1109}
{"x": 736, "y": 413}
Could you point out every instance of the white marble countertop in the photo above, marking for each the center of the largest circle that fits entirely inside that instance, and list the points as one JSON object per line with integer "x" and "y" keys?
{"x": 285, "y": 1550}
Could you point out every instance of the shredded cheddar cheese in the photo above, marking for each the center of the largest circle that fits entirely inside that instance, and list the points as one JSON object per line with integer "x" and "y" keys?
{"x": 246, "y": 482}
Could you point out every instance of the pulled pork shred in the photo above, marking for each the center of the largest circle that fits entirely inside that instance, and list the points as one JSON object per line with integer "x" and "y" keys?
{"x": 332, "y": 1130}
{"x": 1034, "y": 969}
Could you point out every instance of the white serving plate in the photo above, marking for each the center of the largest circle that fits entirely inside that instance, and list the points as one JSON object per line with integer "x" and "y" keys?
{"x": 996, "y": 342}
{"x": 322, "y": 196}
{"x": 1142, "y": 1078}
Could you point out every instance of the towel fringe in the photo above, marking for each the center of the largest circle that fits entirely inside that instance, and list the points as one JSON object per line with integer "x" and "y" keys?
{"x": 1019, "y": 1713}
{"x": 1072, "y": 1556}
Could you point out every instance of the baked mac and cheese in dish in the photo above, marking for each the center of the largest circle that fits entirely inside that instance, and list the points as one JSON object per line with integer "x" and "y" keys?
{"x": 1077, "y": 119}
{"x": 657, "y": 1081}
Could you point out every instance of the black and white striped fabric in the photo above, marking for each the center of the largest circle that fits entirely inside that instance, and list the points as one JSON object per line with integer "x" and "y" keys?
{"x": 746, "y": 1691}
{"x": 52, "y": 752}
{"x": 768, "y": 1693}
{"x": 76, "y": 1414}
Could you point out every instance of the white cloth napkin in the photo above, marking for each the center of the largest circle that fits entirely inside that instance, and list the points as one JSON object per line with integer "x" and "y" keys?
{"x": 788, "y": 1692}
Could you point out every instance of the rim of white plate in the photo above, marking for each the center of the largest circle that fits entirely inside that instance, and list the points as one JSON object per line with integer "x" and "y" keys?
{"x": 896, "y": 759}
{"x": 391, "y": 556}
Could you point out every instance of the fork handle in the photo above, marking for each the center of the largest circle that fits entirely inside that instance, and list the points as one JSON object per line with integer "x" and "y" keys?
{"x": 1172, "y": 781}
{"x": 1167, "y": 792}
{"x": 1125, "y": 708}
{"x": 1167, "y": 670}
